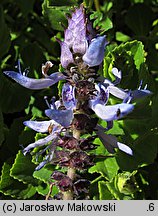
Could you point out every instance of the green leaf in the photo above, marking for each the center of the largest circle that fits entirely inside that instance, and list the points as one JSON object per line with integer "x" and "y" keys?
{"x": 101, "y": 150}
{"x": 33, "y": 57}
{"x": 12, "y": 142}
{"x": 122, "y": 37}
{"x": 43, "y": 189}
{"x": 134, "y": 49}
{"x": 44, "y": 176}
{"x": 126, "y": 183}
{"x": 25, "y": 6}
{"x": 11, "y": 187}
{"x": 98, "y": 168}
{"x": 54, "y": 15}
{"x": 114, "y": 191}
{"x": 4, "y": 35}
{"x": 138, "y": 53}
{"x": 154, "y": 111}
{"x": 111, "y": 167}
{"x": 23, "y": 169}
{"x": 144, "y": 152}
{"x": 1, "y": 128}
{"x": 128, "y": 58}
{"x": 101, "y": 21}
{"x": 104, "y": 193}
{"x": 116, "y": 129}
{"x": 26, "y": 137}
{"x": 107, "y": 168}
{"x": 139, "y": 19}
{"x": 61, "y": 3}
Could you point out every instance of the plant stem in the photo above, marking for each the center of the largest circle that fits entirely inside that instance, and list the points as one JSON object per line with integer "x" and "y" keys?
{"x": 71, "y": 172}
{"x": 97, "y": 6}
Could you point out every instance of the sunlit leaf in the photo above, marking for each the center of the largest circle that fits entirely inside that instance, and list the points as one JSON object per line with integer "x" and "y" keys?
{"x": 23, "y": 169}
{"x": 104, "y": 193}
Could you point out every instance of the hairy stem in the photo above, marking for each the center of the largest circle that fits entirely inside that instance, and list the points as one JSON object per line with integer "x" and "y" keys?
{"x": 71, "y": 172}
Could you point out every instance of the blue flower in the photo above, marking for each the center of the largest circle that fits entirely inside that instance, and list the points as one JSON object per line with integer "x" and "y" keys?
{"x": 36, "y": 84}
{"x": 68, "y": 96}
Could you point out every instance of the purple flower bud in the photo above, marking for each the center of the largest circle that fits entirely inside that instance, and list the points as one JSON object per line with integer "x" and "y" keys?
{"x": 57, "y": 175}
{"x": 81, "y": 186}
{"x": 86, "y": 144}
{"x": 62, "y": 158}
{"x": 95, "y": 52}
{"x": 75, "y": 35}
{"x": 68, "y": 96}
{"x": 80, "y": 160}
{"x": 84, "y": 89}
{"x": 65, "y": 184}
{"x": 68, "y": 143}
{"x": 80, "y": 121}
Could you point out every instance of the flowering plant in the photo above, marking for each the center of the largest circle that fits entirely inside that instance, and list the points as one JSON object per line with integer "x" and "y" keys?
{"x": 77, "y": 134}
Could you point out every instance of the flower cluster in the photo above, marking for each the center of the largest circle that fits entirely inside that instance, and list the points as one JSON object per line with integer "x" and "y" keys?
{"x": 84, "y": 94}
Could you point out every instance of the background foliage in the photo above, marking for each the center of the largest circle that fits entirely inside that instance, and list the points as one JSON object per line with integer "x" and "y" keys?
{"x": 28, "y": 31}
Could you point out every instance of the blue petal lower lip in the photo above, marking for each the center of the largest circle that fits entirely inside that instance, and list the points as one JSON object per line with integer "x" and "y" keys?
{"x": 35, "y": 84}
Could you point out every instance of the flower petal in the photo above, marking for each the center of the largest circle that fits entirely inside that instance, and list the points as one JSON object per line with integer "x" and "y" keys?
{"x": 48, "y": 158}
{"x": 75, "y": 35}
{"x": 109, "y": 125}
{"x": 68, "y": 96}
{"x": 138, "y": 94}
{"x": 45, "y": 68}
{"x": 117, "y": 92}
{"x": 110, "y": 142}
{"x": 40, "y": 142}
{"x": 39, "y": 126}
{"x": 51, "y": 137}
{"x": 34, "y": 84}
{"x": 117, "y": 74}
{"x": 113, "y": 112}
{"x": 80, "y": 45}
{"x": 68, "y": 37}
{"x": 125, "y": 148}
{"x": 102, "y": 95}
{"x": 66, "y": 57}
{"x": 95, "y": 52}
{"x": 63, "y": 117}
